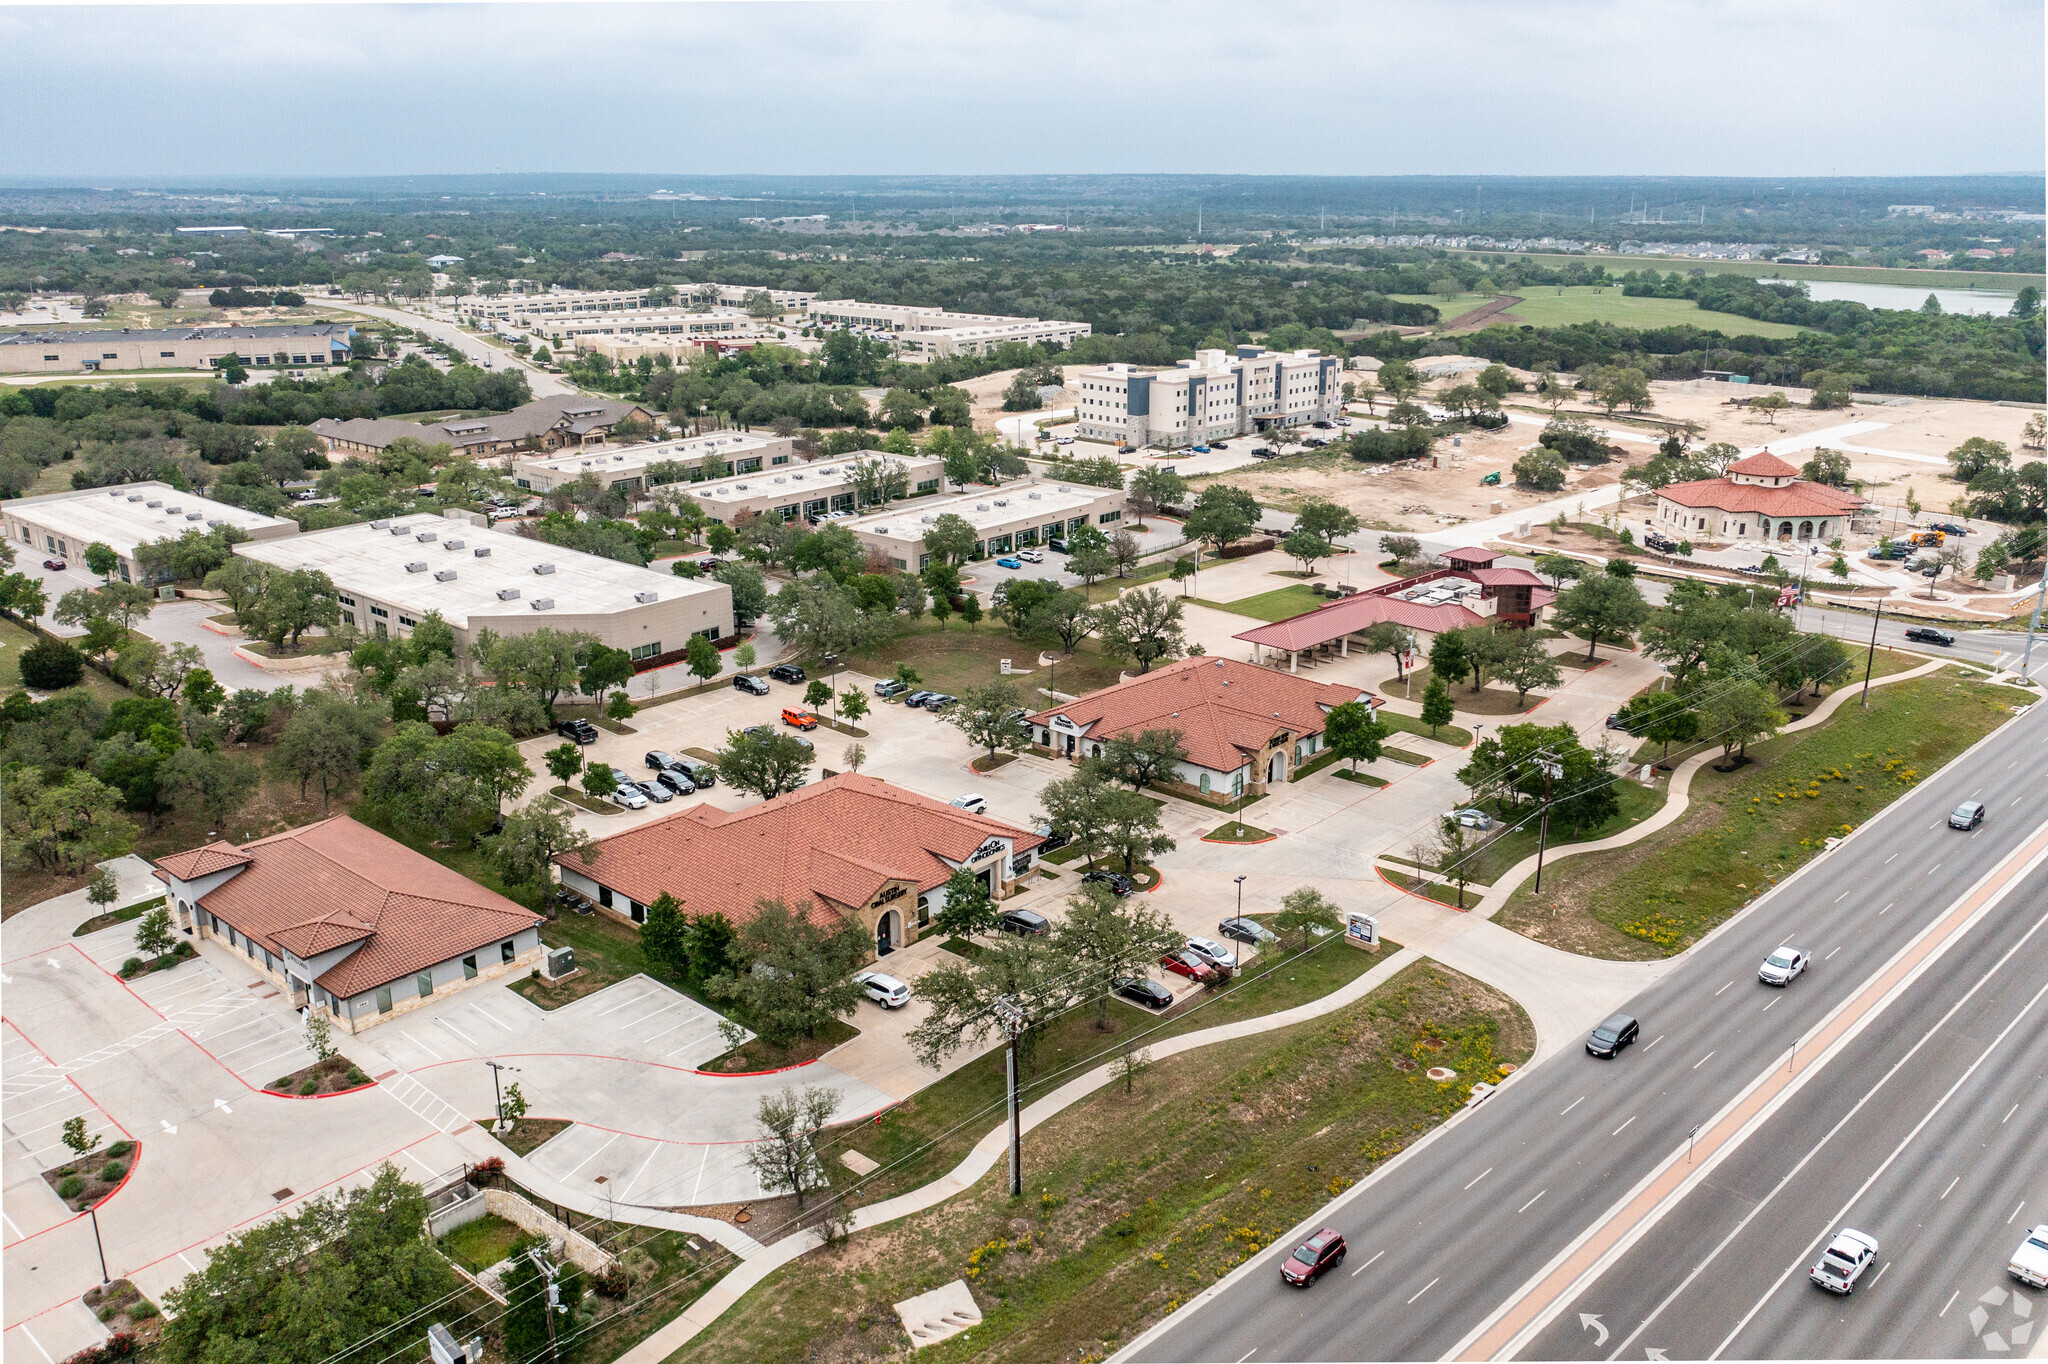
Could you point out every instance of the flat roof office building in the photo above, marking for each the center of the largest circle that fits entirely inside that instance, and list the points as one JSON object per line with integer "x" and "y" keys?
{"x": 390, "y": 573}
{"x": 812, "y": 491}
{"x": 732, "y": 452}
{"x": 1007, "y": 518}
{"x": 1216, "y": 394}
{"x": 675, "y": 324}
{"x": 315, "y": 343}
{"x": 582, "y": 302}
{"x": 923, "y": 334}
{"x": 63, "y": 524}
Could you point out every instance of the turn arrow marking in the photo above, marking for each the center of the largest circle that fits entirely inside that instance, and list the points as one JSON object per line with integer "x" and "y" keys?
{"x": 165, "y": 1124}
{"x": 222, "y": 1105}
{"x": 1592, "y": 1319}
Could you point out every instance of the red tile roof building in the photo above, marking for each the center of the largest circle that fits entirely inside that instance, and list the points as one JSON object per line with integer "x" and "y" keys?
{"x": 1239, "y": 723}
{"x": 348, "y": 920}
{"x": 1759, "y": 498}
{"x": 848, "y": 847}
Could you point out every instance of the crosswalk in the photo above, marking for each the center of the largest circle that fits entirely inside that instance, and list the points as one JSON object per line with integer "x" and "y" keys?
{"x": 423, "y": 1103}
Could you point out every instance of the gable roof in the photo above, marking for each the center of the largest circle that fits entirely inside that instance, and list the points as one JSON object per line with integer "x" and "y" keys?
{"x": 1504, "y": 577}
{"x": 1223, "y": 709}
{"x": 1350, "y": 615}
{"x": 313, "y": 889}
{"x": 1763, "y": 464}
{"x": 1471, "y": 554}
{"x": 1798, "y": 498}
{"x": 834, "y": 842}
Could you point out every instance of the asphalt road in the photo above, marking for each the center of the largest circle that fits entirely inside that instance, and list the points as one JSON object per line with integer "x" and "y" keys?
{"x": 1927, "y": 1133}
{"x": 540, "y": 382}
{"x": 1440, "y": 1239}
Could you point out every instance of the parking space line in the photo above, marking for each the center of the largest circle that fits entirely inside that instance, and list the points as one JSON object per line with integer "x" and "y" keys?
{"x": 489, "y": 1017}
{"x": 620, "y": 1004}
{"x": 652, "y": 1152}
{"x": 457, "y": 1031}
{"x": 421, "y": 1045}
{"x": 600, "y": 1150}
{"x": 635, "y": 1022}
{"x": 246, "y": 1046}
{"x": 265, "y": 1063}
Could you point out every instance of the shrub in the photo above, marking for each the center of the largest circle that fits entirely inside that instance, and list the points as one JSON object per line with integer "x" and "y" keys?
{"x": 131, "y": 967}
{"x": 71, "y": 1187}
{"x": 1540, "y": 469}
{"x": 112, "y": 1172}
{"x": 119, "y": 1149}
{"x": 51, "y": 665}
{"x": 356, "y": 1077}
{"x": 282, "y": 1084}
{"x": 310, "y": 1087}
{"x": 613, "y": 1282}
{"x": 142, "y": 1311}
{"x": 184, "y": 949}
{"x": 1487, "y": 421}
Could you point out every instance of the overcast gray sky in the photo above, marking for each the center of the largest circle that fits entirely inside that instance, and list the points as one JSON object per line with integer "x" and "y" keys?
{"x": 1538, "y": 87}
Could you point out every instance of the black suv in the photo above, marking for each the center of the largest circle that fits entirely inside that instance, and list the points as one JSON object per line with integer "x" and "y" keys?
{"x": 1119, "y": 884}
{"x": 1927, "y": 634}
{"x": 1024, "y": 923}
{"x": 750, "y": 684}
{"x": 578, "y": 731}
{"x": 1610, "y": 1037}
{"x": 676, "y": 780}
{"x": 786, "y": 672}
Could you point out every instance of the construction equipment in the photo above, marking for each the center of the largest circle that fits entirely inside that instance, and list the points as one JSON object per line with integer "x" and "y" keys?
{"x": 1492, "y": 480}
{"x": 1927, "y": 539}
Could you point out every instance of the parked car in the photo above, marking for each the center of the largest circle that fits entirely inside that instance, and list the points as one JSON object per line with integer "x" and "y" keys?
{"x": 1024, "y": 923}
{"x": 1201, "y": 449}
{"x": 578, "y": 731}
{"x": 1322, "y": 425}
{"x": 660, "y": 761}
{"x": 1186, "y": 963}
{"x": 1138, "y": 990}
{"x": 1884, "y": 552}
{"x": 1471, "y": 819}
{"x": 1844, "y": 1261}
{"x": 1009, "y": 561}
{"x": 786, "y": 672}
{"x": 974, "y": 803}
{"x": 702, "y": 774}
{"x": 1610, "y": 1037}
{"x": 1261, "y": 452}
{"x": 54, "y": 565}
{"x": 1927, "y": 634}
{"x": 630, "y": 796}
{"x": 655, "y": 791}
{"x": 1211, "y": 951}
{"x": 889, "y": 687}
{"x": 2029, "y": 1264}
{"x": 799, "y": 719}
{"x": 1031, "y": 556}
{"x": 886, "y": 991}
{"x": 1118, "y": 883}
{"x": 1751, "y": 568}
{"x": 1948, "y": 528}
{"x": 1054, "y": 840}
{"x": 678, "y": 782}
{"x": 938, "y": 701}
{"x": 1247, "y": 930}
{"x": 918, "y": 698}
{"x": 1968, "y": 815}
{"x": 1056, "y": 545}
{"x": 750, "y": 684}
{"x": 1313, "y": 1258}
{"x": 1784, "y": 965}
{"x": 1663, "y": 544}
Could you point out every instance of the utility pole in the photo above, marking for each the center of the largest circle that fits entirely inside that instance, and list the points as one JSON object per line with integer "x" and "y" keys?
{"x": 1551, "y": 768}
{"x": 2034, "y": 626}
{"x": 1240, "y": 923}
{"x": 547, "y": 1274}
{"x": 1870, "y": 660}
{"x": 1008, "y": 1010}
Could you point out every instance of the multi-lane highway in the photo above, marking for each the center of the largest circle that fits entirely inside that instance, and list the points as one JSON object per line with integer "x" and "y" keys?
{"x": 1468, "y": 1224}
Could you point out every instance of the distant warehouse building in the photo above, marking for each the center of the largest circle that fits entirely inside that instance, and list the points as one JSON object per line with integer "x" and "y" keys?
{"x": 314, "y": 343}
{"x": 925, "y": 334}
{"x": 813, "y": 491}
{"x": 714, "y": 454}
{"x": 391, "y": 573}
{"x": 1011, "y": 517}
{"x": 63, "y": 524}
{"x": 1214, "y": 395}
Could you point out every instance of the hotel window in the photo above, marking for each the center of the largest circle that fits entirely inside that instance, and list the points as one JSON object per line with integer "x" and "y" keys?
{"x": 407, "y": 620}
{"x": 346, "y": 599}
{"x": 384, "y": 999}
{"x": 380, "y": 611}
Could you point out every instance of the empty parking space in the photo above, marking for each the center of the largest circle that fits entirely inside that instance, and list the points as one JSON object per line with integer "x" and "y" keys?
{"x": 628, "y": 1168}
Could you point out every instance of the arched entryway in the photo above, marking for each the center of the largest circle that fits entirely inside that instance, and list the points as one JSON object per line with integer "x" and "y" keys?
{"x": 888, "y": 933}
{"x": 1785, "y": 532}
{"x": 1276, "y": 767}
{"x": 1806, "y": 530}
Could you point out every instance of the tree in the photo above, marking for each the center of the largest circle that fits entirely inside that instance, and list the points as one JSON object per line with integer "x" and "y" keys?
{"x": 1304, "y": 911}
{"x": 598, "y": 781}
{"x": 1156, "y": 486}
{"x": 1144, "y": 624}
{"x": 102, "y": 890}
{"x": 1130, "y": 828}
{"x": 765, "y": 765}
{"x": 1560, "y": 569}
{"x": 1305, "y": 547}
{"x": 1106, "y": 938}
{"x": 785, "y": 1158}
{"x": 1138, "y": 760}
{"x": 853, "y": 705}
{"x": 1437, "y": 709}
{"x": 319, "y": 1036}
{"x": 1977, "y": 454}
{"x": 817, "y": 694}
{"x": 202, "y": 693}
{"x": 749, "y": 589}
{"x": 702, "y": 657}
{"x": 325, "y": 742}
{"x": 817, "y": 616}
{"x": 213, "y": 783}
{"x": 1827, "y": 466}
{"x": 854, "y": 756}
{"x": 1625, "y": 385}
{"x": 1524, "y": 663}
{"x": 799, "y": 974}
{"x": 1737, "y": 712}
{"x": 1089, "y": 556}
{"x": 50, "y": 665}
{"x": 102, "y": 559}
{"x": 1321, "y": 517}
{"x": 292, "y": 602}
{"x": 1131, "y": 1063}
{"x": 154, "y": 933}
{"x": 987, "y": 715}
{"x": 1398, "y": 380}
{"x": 1036, "y": 981}
{"x": 1771, "y": 404}
{"x": 603, "y": 669}
{"x": 76, "y": 1139}
{"x": 1073, "y": 808}
{"x": 1662, "y": 717}
{"x": 1395, "y": 641}
{"x": 1582, "y": 794}
{"x": 950, "y": 539}
{"x": 523, "y": 853}
{"x": 1351, "y": 732}
{"x": 1540, "y": 469}
{"x": 968, "y": 908}
{"x": 1222, "y": 515}
{"x": 1124, "y": 552}
{"x": 1405, "y": 549}
{"x": 1450, "y": 660}
{"x": 665, "y": 937}
{"x": 1600, "y": 607}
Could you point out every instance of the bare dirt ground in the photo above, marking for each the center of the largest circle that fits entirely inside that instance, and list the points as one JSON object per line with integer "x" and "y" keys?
{"x": 986, "y": 394}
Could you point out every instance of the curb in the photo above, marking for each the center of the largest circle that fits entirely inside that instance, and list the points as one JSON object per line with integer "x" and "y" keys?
{"x": 1418, "y": 895}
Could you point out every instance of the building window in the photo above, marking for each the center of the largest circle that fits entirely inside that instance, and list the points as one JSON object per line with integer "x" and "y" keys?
{"x": 384, "y": 999}
{"x": 425, "y": 980}
{"x": 1110, "y": 516}
{"x": 505, "y": 952}
{"x": 469, "y": 968}
{"x": 604, "y": 896}
{"x": 380, "y": 611}
{"x": 407, "y": 620}
{"x": 638, "y": 910}
{"x": 345, "y": 599}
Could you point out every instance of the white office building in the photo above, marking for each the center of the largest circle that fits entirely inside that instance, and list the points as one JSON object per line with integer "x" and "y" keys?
{"x": 923, "y": 334}
{"x": 730, "y": 452}
{"x": 1011, "y": 517}
{"x": 1214, "y": 395}
{"x": 61, "y": 525}
{"x": 812, "y": 491}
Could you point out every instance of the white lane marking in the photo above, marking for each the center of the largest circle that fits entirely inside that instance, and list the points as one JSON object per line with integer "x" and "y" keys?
{"x": 457, "y": 1031}
{"x": 594, "y": 1154}
{"x": 1717, "y": 993}
{"x": 1582, "y": 1098}
{"x": 2008, "y": 1115}
{"x": 1425, "y": 1288}
{"x": 1482, "y": 1174}
{"x": 1843, "y": 896}
{"x": 620, "y": 1005}
{"x": 17, "y": 1230}
{"x": 636, "y": 1022}
{"x": 652, "y": 1152}
{"x": 1880, "y": 1272}
{"x": 1703, "y": 1060}
{"x": 1248, "y": 1354}
{"x": 1623, "y": 1128}
{"x": 1888, "y": 861}
{"x": 1367, "y": 1265}
{"x": 1772, "y": 1005}
{"x": 1531, "y": 1203}
{"x": 1951, "y": 1187}
{"x": 1654, "y": 1041}
{"x": 1933, "y": 869}
{"x": 1831, "y": 956}
{"x": 1950, "y": 1303}
{"x": 1881, "y": 911}
{"x": 700, "y": 1183}
{"x": 2016, "y": 1210}
{"x": 422, "y": 1046}
{"x": 489, "y": 1018}
{"x": 1790, "y": 936}
{"x": 37, "y": 1343}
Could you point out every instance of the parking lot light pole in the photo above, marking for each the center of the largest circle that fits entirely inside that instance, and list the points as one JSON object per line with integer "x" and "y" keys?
{"x": 1240, "y": 923}
{"x": 496, "y": 1067}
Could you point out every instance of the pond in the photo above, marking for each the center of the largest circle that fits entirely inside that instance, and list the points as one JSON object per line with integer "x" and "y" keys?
{"x": 1905, "y": 298}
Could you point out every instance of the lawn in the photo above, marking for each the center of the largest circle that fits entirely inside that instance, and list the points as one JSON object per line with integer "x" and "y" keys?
{"x": 1136, "y": 1201}
{"x": 1555, "y": 306}
{"x": 607, "y": 951}
{"x": 1848, "y": 274}
{"x": 1408, "y": 724}
{"x": 1638, "y": 803}
{"x": 1234, "y": 832}
{"x": 1447, "y": 309}
{"x": 959, "y": 656}
{"x": 14, "y": 638}
{"x": 1748, "y": 829}
{"x": 1489, "y": 700}
{"x": 478, "y": 1245}
{"x": 757, "y": 1054}
{"x": 1279, "y": 604}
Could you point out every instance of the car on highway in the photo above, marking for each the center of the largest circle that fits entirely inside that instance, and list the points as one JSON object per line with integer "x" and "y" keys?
{"x": 1009, "y": 561}
{"x": 786, "y": 672}
{"x": 1844, "y": 1261}
{"x": 1784, "y": 965}
{"x": 1968, "y": 815}
{"x": 1117, "y": 883}
{"x": 1138, "y": 990}
{"x": 799, "y": 719}
{"x": 2029, "y": 1264}
{"x": 1313, "y": 1258}
{"x": 1186, "y": 963}
{"x": 1211, "y": 951}
{"x": 1247, "y": 930}
{"x": 750, "y": 684}
{"x": 886, "y": 991}
{"x": 54, "y": 565}
{"x": 1927, "y": 634}
{"x": 1611, "y": 1036}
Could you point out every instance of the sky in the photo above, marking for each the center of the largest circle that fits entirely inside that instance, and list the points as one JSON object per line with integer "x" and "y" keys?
{"x": 1371, "y": 87}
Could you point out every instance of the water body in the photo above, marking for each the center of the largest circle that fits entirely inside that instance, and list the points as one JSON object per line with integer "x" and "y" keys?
{"x": 1903, "y": 297}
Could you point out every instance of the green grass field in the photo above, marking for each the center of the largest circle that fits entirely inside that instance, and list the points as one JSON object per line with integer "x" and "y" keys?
{"x": 1844, "y": 274}
{"x": 1278, "y": 604}
{"x": 1447, "y": 309}
{"x": 1550, "y": 306}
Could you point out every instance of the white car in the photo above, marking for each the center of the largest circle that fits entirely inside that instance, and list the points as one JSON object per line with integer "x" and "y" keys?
{"x": 632, "y": 797}
{"x": 1031, "y": 556}
{"x": 2030, "y": 1262}
{"x": 1471, "y": 819}
{"x": 886, "y": 991}
{"x": 1845, "y": 1260}
{"x": 974, "y": 803}
{"x": 1783, "y": 965}
{"x": 1209, "y": 950}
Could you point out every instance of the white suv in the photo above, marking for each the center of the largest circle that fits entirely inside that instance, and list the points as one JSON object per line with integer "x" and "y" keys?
{"x": 2029, "y": 1263}
{"x": 886, "y": 991}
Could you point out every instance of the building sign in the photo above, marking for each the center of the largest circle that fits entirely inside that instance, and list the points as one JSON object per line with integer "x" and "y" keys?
{"x": 894, "y": 892}
{"x": 1062, "y": 722}
{"x": 1020, "y": 864}
{"x": 988, "y": 848}
{"x": 1361, "y": 930}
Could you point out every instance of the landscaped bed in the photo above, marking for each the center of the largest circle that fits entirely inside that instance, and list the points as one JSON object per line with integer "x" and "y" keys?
{"x": 1486, "y": 701}
{"x": 122, "y": 1309}
{"x": 1234, "y": 832}
{"x": 1136, "y": 1201}
{"x": 1408, "y": 724}
{"x": 85, "y": 1180}
{"x": 756, "y": 1054}
{"x": 478, "y": 1245}
{"x": 1362, "y": 778}
{"x": 331, "y": 1076}
{"x": 142, "y": 966}
{"x": 528, "y": 1134}
{"x": 957, "y": 656}
{"x": 607, "y": 952}
{"x": 1748, "y": 829}
{"x": 118, "y": 916}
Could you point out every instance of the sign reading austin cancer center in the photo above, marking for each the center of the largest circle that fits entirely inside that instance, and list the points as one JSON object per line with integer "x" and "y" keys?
{"x": 1361, "y": 930}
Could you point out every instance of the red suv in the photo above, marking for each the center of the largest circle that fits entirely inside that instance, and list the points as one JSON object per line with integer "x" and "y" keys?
{"x": 799, "y": 719}
{"x": 1313, "y": 1258}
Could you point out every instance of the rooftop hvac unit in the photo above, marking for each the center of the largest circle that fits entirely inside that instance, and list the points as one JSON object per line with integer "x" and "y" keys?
{"x": 426, "y": 535}
{"x": 644, "y": 597}
{"x": 195, "y": 516}
{"x": 741, "y": 486}
{"x": 543, "y": 569}
{"x": 981, "y": 506}
{"x": 215, "y": 522}
{"x": 398, "y": 530}
{"x": 798, "y": 477}
{"x": 508, "y": 594}
{"x": 1002, "y": 502}
{"x": 135, "y": 497}
{"x": 171, "y": 511}
{"x": 542, "y": 603}
{"x": 415, "y": 568}
{"x": 926, "y": 520}
{"x": 381, "y": 525}
{"x": 780, "y": 479}
{"x": 446, "y": 575}
{"x": 482, "y": 551}
{"x": 1065, "y": 489}
{"x": 451, "y": 544}
{"x": 1034, "y": 496}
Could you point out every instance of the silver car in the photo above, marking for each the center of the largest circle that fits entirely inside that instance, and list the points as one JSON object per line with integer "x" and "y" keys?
{"x": 630, "y": 796}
